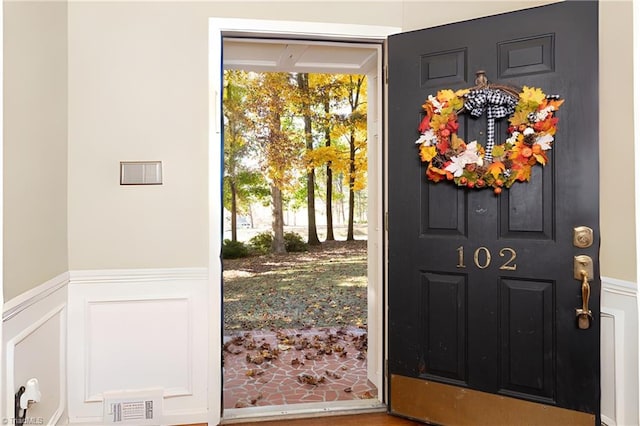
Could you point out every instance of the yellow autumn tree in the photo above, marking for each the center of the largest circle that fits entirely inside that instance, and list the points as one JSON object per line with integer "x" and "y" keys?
{"x": 351, "y": 127}
{"x": 328, "y": 94}
{"x": 236, "y": 142}
{"x": 305, "y": 99}
{"x": 270, "y": 101}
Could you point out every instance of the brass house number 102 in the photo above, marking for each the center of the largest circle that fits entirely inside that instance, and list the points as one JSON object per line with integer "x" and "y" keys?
{"x": 482, "y": 258}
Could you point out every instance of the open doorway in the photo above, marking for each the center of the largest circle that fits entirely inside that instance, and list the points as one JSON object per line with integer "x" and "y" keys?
{"x": 347, "y": 58}
{"x": 295, "y": 248}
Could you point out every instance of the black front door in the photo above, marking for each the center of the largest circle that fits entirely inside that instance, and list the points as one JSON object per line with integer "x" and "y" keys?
{"x": 482, "y": 288}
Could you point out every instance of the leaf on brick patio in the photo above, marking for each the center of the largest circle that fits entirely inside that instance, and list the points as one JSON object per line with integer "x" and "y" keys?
{"x": 332, "y": 374}
{"x": 252, "y": 372}
{"x": 227, "y": 347}
{"x": 270, "y": 354}
{"x": 310, "y": 356}
{"x": 255, "y": 359}
{"x": 308, "y": 379}
{"x": 256, "y": 399}
{"x": 242, "y": 404}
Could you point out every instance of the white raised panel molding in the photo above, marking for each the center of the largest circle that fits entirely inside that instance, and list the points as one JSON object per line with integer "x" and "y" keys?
{"x": 131, "y": 330}
{"x": 115, "y": 330}
{"x": 619, "y": 352}
{"x": 34, "y": 346}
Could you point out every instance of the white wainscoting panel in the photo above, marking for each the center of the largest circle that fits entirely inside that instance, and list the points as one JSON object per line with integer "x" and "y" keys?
{"x": 115, "y": 331}
{"x": 131, "y": 330}
{"x": 34, "y": 344}
{"x": 619, "y": 352}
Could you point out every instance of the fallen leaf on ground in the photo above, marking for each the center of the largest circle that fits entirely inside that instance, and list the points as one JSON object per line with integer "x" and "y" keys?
{"x": 308, "y": 379}
{"x": 333, "y": 374}
{"x": 255, "y": 359}
{"x": 253, "y": 372}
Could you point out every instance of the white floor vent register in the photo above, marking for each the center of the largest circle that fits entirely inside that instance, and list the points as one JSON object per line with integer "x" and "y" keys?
{"x": 143, "y": 407}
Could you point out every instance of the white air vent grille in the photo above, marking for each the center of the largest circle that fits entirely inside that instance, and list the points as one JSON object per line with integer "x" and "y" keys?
{"x": 141, "y": 173}
{"x": 133, "y": 407}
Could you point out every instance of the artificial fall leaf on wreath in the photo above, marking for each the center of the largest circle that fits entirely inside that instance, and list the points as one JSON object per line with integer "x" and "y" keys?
{"x": 496, "y": 168}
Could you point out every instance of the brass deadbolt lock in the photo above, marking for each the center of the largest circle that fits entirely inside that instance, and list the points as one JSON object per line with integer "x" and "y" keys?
{"x": 582, "y": 236}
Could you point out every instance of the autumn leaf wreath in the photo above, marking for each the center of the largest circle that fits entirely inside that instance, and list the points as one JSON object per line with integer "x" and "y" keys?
{"x": 532, "y": 126}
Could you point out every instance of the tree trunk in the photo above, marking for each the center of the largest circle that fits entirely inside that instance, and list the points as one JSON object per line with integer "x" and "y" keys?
{"x": 312, "y": 230}
{"x": 352, "y": 171}
{"x": 329, "y": 201}
{"x": 234, "y": 211}
{"x": 277, "y": 246}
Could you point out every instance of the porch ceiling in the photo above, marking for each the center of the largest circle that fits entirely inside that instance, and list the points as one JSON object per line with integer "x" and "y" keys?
{"x": 298, "y": 56}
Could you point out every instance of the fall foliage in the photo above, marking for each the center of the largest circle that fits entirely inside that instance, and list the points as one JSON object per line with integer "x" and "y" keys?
{"x": 294, "y": 130}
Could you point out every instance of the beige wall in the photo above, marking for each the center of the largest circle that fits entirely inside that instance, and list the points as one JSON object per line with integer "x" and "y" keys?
{"x": 137, "y": 90}
{"x": 138, "y": 79}
{"x": 617, "y": 200}
{"x": 35, "y": 144}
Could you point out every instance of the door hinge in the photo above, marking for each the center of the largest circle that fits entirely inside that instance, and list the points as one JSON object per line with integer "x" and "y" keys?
{"x": 386, "y": 368}
{"x": 386, "y": 74}
{"x": 386, "y": 221}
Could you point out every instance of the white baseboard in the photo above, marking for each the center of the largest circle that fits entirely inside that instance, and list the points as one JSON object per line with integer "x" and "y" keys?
{"x": 138, "y": 329}
{"x": 34, "y": 344}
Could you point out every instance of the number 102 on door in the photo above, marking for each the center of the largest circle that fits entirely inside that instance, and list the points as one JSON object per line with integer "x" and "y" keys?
{"x": 482, "y": 258}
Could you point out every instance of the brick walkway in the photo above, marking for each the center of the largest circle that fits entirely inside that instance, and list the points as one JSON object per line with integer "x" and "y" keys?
{"x": 295, "y": 366}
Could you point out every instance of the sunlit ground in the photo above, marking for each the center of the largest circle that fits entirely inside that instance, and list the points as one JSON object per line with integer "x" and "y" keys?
{"x": 313, "y": 289}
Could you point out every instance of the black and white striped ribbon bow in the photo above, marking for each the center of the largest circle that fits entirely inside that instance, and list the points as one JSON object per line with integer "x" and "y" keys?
{"x": 496, "y": 103}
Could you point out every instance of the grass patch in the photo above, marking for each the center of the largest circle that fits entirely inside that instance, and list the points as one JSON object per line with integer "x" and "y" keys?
{"x": 324, "y": 287}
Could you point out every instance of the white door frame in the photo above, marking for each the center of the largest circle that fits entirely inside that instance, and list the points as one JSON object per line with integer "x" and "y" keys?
{"x": 219, "y": 27}
{"x": 636, "y": 130}
{"x": 2, "y": 415}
